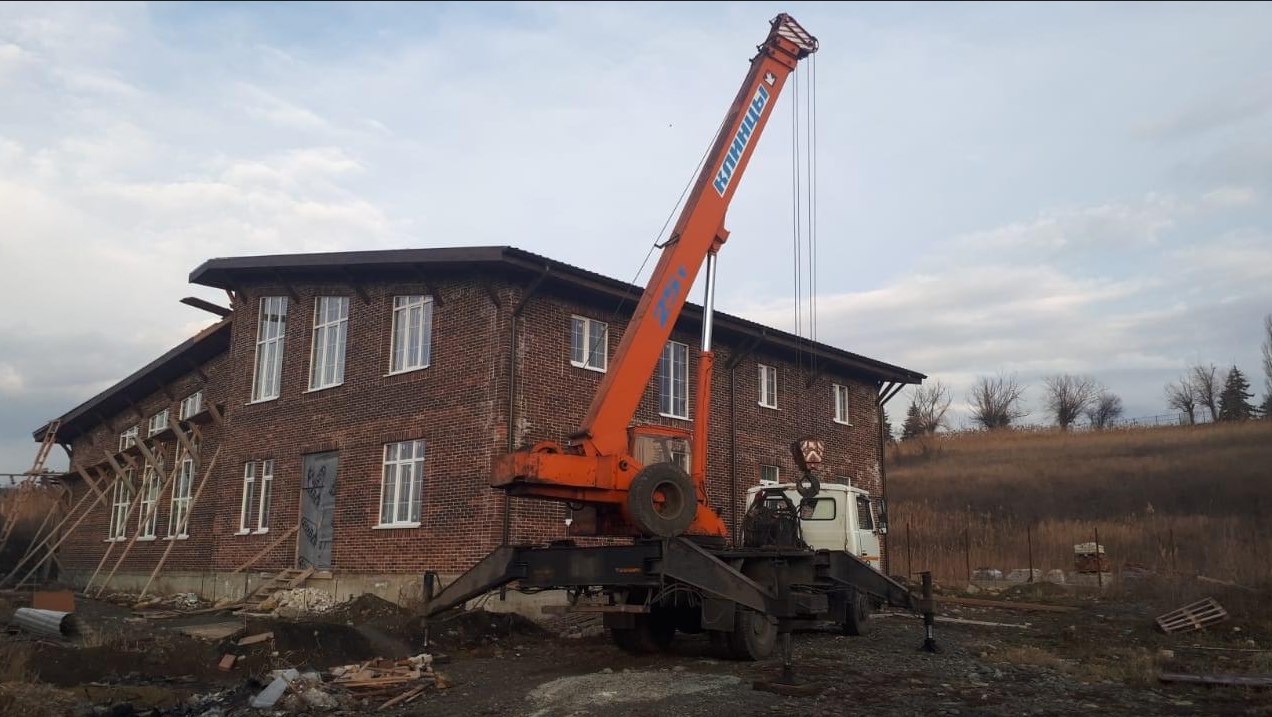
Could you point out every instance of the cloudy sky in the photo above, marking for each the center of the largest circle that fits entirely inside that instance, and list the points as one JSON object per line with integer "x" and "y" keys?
{"x": 1015, "y": 188}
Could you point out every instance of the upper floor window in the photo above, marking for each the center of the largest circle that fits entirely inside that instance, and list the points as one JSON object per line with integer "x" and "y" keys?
{"x": 271, "y": 329}
{"x": 839, "y": 394}
{"x": 673, "y": 380}
{"x": 402, "y": 484}
{"x": 589, "y": 343}
{"x": 331, "y": 326}
{"x": 768, "y": 386}
{"x": 191, "y": 405}
{"x": 128, "y": 438}
{"x": 412, "y": 333}
{"x": 158, "y": 422}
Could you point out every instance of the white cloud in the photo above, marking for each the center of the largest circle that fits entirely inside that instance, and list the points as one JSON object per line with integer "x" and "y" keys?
{"x": 10, "y": 380}
{"x": 1228, "y": 197}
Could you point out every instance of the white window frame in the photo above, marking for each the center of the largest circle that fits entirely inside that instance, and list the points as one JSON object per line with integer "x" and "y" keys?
{"x": 121, "y": 503}
{"x": 327, "y": 348}
{"x": 839, "y": 402}
{"x": 191, "y": 405}
{"x": 151, "y": 489}
{"x": 410, "y": 336}
{"x": 768, "y": 386}
{"x": 267, "y": 367}
{"x": 591, "y": 339}
{"x": 128, "y": 438}
{"x": 158, "y": 422}
{"x": 400, "y": 467}
{"x": 777, "y": 473}
{"x": 265, "y": 496}
{"x": 249, "y": 489}
{"x": 668, "y": 382}
{"x": 179, "y": 507}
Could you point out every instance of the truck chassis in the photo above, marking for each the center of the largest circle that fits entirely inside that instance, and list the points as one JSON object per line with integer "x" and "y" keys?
{"x": 743, "y": 597}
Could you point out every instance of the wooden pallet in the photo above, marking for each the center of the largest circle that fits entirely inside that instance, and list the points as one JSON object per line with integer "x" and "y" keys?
{"x": 284, "y": 580}
{"x": 1196, "y": 616}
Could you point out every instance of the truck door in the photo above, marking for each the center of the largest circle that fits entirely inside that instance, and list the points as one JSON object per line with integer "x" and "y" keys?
{"x": 867, "y": 538}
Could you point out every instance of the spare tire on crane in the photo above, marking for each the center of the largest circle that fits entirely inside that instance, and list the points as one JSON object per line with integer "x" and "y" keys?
{"x": 662, "y": 500}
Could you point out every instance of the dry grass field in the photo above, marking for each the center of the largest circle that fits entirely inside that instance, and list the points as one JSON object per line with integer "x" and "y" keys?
{"x": 1190, "y": 500}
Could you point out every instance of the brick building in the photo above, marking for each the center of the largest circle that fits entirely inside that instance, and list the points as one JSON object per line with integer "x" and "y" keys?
{"x": 349, "y": 405}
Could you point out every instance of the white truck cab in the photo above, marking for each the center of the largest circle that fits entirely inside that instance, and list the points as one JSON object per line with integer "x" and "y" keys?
{"x": 842, "y": 518}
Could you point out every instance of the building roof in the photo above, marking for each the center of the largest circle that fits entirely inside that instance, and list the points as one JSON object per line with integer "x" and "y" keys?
{"x": 178, "y": 361}
{"x": 354, "y": 265}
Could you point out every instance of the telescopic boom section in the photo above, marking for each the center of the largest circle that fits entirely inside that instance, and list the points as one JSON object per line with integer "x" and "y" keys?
{"x": 596, "y": 468}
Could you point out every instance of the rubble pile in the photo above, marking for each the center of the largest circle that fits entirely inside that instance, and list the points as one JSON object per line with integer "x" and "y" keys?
{"x": 299, "y": 601}
{"x": 398, "y": 681}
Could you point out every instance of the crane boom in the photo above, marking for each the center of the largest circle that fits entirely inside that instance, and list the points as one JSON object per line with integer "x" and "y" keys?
{"x": 596, "y": 468}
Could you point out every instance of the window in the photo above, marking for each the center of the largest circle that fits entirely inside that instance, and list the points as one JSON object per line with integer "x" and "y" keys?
{"x": 770, "y": 474}
{"x": 673, "y": 380}
{"x": 180, "y": 510}
{"x": 331, "y": 324}
{"x": 680, "y": 455}
{"x": 147, "y": 513}
{"x": 589, "y": 343}
{"x": 191, "y": 405}
{"x": 400, "y": 490}
{"x": 128, "y": 438}
{"x": 817, "y": 509}
{"x": 120, "y": 502}
{"x": 258, "y": 485}
{"x": 840, "y": 395}
{"x": 865, "y": 521}
{"x": 158, "y": 422}
{"x": 270, "y": 332}
{"x": 768, "y": 386}
{"x": 412, "y": 333}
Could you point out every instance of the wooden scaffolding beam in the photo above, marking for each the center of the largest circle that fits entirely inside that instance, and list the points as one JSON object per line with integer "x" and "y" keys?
{"x": 185, "y": 521}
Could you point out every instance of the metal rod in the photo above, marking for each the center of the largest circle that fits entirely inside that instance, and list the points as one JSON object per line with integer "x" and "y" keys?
{"x": 1029, "y": 541}
{"x": 708, "y": 302}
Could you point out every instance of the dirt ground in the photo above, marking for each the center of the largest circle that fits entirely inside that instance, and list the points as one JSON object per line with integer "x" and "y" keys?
{"x": 1103, "y": 658}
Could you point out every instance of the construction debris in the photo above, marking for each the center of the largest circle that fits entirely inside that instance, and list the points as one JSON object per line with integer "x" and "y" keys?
{"x": 1033, "y": 606}
{"x": 227, "y": 663}
{"x": 50, "y": 623}
{"x": 253, "y": 639}
{"x": 399, "y": 680}
{"x": 1196, "y": 616}
{"x": 58, "y": 600}
{"x": 298, "y": 601}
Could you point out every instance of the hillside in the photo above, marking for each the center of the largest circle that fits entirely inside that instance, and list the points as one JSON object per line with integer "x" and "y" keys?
{"x": 1190, "y": 499}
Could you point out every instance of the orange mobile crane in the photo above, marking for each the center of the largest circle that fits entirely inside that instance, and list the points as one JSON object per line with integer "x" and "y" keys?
{"x": 678, "y": 575}
{"x": 596, "y": 468}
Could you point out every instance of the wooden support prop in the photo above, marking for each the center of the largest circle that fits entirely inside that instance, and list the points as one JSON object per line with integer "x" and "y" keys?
{"x": 185, "y": 440}
{"x": 185, "y": 521}
{"x": 1030, "y": 606}
{"x": 10, "y": 522}
{"x": 111, "y": 548}
{"x": 89, "y": 481}
{"x": 217, "y": 417}
{"x": 273, "y": 544}
{"x": 37, "y": 545}
{"x": 1219, "y": 680}
{"x": 145, "y": 451}
{"x": 53, "y": 548}
{"x": 154, "y": 508}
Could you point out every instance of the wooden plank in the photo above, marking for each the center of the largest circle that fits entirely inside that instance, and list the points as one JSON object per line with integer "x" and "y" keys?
{"x": 1194, "y": 616}
{"x": 276, "y": 542}
{"x": 89, "y": 481}
{"x": 1219, "y": 680}
{"x": 185, "y": 522}
{"x": 402, "y": 697}
{"x": 1029, "y": 606}
{"x": 60, "y": 600}
{"x": 227, "y": 663}
{"x": 253, "y": 639}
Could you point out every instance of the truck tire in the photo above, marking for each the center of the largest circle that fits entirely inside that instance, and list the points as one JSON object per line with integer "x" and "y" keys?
{"x": 662, "y": 500}
{"x": 754, "y": 636}
{"x": 856, "y": 614}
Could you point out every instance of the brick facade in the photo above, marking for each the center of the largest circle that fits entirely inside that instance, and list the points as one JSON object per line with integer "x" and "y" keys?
{"x": 461, "y": 406}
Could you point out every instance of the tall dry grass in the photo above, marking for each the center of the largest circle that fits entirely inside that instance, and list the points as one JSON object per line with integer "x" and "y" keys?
{"x": 1194, "y": 500}
{"x": 27, "y": 509}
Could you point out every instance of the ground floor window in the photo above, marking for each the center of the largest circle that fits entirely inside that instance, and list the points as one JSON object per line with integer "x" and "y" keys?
{"x": 258, "y": 485}
{"x": 402, "y": 484}
{"x": 178, "y": 515}
{"x": 148, "y": 510}
{"x": 120, "y": 502}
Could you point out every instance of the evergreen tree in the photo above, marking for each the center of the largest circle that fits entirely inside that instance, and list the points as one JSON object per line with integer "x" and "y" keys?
{"x": 1234, "y": 401}
{"x": 913, "y": 426}
{"x": 1266, "y": 408}
{"x": 888, "y": 436}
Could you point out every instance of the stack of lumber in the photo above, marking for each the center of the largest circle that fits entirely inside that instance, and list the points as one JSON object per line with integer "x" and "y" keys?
{"x": 400, "y": 681}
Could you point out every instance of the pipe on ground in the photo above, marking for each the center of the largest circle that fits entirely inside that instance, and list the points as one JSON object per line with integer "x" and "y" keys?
{"x": 50, "y": 623}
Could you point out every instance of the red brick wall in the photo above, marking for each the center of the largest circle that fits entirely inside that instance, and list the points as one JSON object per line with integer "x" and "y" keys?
{"x": 459, "y": 405}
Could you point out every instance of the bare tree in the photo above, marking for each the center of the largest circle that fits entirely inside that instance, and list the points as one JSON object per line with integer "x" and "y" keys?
{"x": 930, "y": 403}
{"x": 1069, "y": 396}
{"x": 1206, "y": 388}
{"x": 996, "y": 401}
{"x": 1267, "y": 366}
{"x": 1104, "y": 409}
{"x": 1180, "y": 396}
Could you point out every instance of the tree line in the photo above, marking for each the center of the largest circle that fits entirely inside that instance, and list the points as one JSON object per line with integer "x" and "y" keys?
{"x": 997, "y": 402}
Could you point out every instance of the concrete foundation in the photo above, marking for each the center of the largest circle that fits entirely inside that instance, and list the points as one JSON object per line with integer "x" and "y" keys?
{"x": 403, "y": 589}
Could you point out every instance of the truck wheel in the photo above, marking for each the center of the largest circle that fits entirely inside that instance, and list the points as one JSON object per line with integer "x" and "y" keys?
{"x": 662, "y": 501}
{"x": 754, "y": 636}
{"x": 856, "y": 614}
